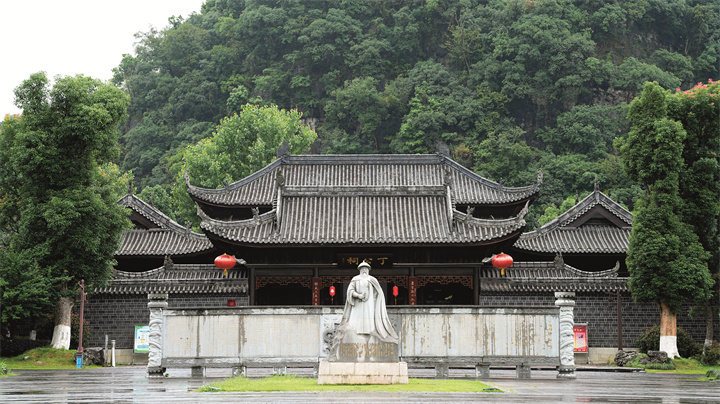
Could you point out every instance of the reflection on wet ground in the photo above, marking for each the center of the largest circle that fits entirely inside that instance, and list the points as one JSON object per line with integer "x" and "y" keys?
{"x": 130, "y": 385}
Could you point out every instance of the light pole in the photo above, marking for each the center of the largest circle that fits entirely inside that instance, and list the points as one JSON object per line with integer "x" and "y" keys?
{"x": 79, "y": 353}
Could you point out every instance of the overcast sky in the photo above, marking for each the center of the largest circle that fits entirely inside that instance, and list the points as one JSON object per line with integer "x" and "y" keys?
{"x": 69, "y": 37}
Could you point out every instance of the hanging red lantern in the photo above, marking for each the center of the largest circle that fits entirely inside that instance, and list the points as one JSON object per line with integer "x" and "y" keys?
{"x": 395, "y": 291}
{"x": 502, "y": 261}
{"x": 332, "y": 291}
{"x": 225, "y": 262}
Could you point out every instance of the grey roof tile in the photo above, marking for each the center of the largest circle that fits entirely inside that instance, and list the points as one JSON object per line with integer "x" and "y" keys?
{"x": 525, "y": 277}
{"x": 169, "y": 239}
{"x": 354, "y": 171}
{"x": 182, "y": 278}
{"x": 363, "y": 220}
{"x": 559, "y": 235}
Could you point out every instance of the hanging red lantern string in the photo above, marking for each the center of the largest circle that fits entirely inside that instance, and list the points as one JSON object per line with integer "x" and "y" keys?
{"x": 502, "y": 261}
{"x": 225, "y": 262}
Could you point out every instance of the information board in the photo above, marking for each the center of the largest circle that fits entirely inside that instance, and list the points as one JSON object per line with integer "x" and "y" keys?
{"x": 580, "y": 331}
{"x": 142, "y": 332}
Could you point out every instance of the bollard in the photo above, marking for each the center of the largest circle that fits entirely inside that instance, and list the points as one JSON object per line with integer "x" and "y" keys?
{"x": 112, "y": 344}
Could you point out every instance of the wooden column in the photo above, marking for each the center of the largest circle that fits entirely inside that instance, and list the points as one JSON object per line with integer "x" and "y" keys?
{"x": 251, "y": 286}
{"x": 476, "y": 286}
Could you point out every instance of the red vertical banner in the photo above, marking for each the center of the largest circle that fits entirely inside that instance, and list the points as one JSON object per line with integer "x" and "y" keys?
{"x": 316, "y": 284}
{"x": 412, "y": 286}
{"x": 580, "y": 331}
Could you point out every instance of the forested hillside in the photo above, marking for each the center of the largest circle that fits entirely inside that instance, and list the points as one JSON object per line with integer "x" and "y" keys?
{"x": 510, "y": 86}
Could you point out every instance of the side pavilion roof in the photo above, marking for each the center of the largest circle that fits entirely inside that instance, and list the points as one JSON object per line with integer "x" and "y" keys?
{"x": 597, "y": 225}
{"x": 159, "y": 235}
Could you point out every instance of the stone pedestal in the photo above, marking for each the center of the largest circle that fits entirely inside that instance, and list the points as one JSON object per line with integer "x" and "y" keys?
{"x": 363, "y": 373}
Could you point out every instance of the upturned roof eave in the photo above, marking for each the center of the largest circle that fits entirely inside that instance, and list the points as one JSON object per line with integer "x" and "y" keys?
{"x": 205, "y": 195}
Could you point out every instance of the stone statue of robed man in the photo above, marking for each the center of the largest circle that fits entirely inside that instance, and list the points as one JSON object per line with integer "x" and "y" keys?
{"x": 365, "y": 310}
{"x": 365, "y": 333}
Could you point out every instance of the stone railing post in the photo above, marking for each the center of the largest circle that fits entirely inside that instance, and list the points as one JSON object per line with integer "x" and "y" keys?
{"x": 566, "y": 302}
{"x": 156, "y": 303}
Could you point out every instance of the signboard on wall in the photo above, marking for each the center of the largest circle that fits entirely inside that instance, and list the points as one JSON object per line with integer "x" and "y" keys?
{"x": 375, "y": 260}
{"x": 580, "y": 331}
{"x": 142, "y": 333}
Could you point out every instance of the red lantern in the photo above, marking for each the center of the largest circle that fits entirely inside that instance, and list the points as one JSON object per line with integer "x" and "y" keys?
{"x": 395, "y": 291}
{"x": 502, "y": 261}
{"x": 332, "y": 291}
{"x": 225, "y": 262}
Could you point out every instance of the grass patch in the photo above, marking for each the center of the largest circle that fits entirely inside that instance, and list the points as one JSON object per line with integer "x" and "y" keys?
{"x": 292, "y": 383}
{"x": 44, "y": 358}
{"x": 685, "y": 366}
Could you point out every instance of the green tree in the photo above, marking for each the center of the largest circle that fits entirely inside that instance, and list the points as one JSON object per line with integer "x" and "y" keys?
{"x": 698, "y": 110}
{"x": 66, "y": 223}
{"x": 241, "y": 145}
{"x": 667, "y": 264}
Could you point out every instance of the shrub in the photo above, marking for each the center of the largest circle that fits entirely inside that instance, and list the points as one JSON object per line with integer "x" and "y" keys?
{"x": 712, "y": 355}
{"x": 649, "y": 340}
{"x": 75, "y": 330}
{"x": 713, "y": 374}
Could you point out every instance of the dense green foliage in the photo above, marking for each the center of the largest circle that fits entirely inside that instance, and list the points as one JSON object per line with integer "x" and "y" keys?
{"x": 667, "y": 263}
{"x": 59, "y": 216}
{"x": 698, "y": 110}
{"x": 241, "y": 145}
{"x": 509, "y": 85}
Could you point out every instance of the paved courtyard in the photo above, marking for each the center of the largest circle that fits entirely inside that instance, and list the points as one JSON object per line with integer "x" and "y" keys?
{"x": 130, "y": 385}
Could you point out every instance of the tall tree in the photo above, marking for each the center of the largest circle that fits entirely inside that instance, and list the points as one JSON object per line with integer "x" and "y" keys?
{"x": 61, "y": 206}
{"x": 241, "y": 145}
{"x": 666, "y": 262}
{"x": 698, "y": 110}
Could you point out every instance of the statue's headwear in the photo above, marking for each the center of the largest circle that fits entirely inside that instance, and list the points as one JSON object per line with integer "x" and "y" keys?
{"x": 364, "y": 264}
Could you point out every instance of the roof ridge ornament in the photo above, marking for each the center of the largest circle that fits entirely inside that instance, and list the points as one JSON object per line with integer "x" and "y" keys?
{"x": 597, "y": 185}
{"x": 559, "y": 261}
{"x": 130, "y": 187}
{"x": 469, "y": 212}
{"x": 442, "y": 149}
{"x": 283, "y": 150}
{"x": 539, "y": 176}
{"x": 280, "y": 178}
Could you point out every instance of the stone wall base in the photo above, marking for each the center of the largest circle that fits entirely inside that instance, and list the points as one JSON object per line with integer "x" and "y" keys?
{"x": 363, "y": 373}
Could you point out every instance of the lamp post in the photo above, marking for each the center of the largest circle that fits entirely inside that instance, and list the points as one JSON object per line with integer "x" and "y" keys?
{"x": 79, "y": 353}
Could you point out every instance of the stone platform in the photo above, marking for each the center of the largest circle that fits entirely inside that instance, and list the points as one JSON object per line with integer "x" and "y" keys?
{"x": 363, "y": 373}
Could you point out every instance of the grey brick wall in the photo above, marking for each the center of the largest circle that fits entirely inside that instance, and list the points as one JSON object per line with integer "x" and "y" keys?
{"x": 600, "y": 314}
{"x": 117, "y": 315}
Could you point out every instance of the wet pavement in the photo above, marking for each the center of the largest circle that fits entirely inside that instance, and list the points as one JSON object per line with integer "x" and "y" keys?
{"x": 129, "y": 384}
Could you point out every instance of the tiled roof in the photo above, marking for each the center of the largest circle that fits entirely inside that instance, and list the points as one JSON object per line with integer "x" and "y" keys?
{"x": 161, "y": 242}
{"x": 365, "y": 218}
{"x": 561, "y": 234}
{"x": 188, "y": 278}
{"x": 326, "y": 172}
{"x": 169, "y": 239}
{"x": 550, "y": 277}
